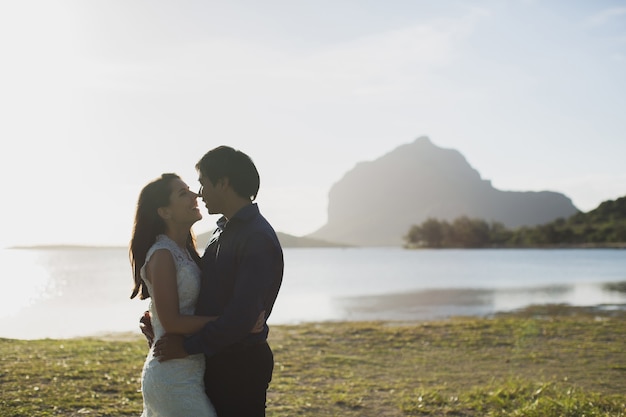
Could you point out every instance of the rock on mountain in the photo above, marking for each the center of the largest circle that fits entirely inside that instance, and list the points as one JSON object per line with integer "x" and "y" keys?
{"x": 376, "y": 202}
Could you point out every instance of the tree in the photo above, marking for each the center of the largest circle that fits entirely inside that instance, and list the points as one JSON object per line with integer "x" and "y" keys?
{"x": 604, "y": 225}
{"x": 470, "y": 233}
{"x": 432, "y": 233}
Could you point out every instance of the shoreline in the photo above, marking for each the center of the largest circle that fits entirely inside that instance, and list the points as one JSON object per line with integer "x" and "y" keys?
{"x": 536, "y": 311}
{"x": 607, "y": 245}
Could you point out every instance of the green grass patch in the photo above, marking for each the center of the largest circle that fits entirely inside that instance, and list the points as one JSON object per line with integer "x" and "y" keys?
{"x": 541, "y": 362}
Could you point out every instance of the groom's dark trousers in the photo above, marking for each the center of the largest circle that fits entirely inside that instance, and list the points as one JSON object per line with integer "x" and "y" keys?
{"x": 236, "y": 381}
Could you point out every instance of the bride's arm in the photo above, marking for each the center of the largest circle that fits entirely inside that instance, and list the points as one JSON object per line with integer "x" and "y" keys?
{"x": 161, "y": 272}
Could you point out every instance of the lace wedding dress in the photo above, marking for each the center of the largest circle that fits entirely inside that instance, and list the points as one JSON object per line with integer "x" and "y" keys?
{"x": 175, "y": 388}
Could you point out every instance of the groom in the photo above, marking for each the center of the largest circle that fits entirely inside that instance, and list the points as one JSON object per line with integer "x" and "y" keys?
{"x": 242, "y": 270}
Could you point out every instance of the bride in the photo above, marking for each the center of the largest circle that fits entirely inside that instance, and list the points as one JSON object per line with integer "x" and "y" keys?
{"x": 165, "y": 266}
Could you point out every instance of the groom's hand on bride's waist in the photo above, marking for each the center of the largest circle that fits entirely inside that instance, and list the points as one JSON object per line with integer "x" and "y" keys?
{"x": 169, "y": 346}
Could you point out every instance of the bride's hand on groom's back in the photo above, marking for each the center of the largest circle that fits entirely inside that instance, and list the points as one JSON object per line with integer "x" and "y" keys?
{"x": 260, "y": 323}
{"x": 145, "y": 325}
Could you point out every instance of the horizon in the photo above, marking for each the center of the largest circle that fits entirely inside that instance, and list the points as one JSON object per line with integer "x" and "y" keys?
{"x": 99, "y": 98}
{"x": 204, "y": 234}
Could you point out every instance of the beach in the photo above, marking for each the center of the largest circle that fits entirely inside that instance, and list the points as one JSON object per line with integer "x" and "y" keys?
{"x": 549, "y": 360}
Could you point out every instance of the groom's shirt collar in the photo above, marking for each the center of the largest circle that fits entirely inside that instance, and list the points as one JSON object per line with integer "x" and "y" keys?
{"x": 221, "y": 223}
{"x": 244, "y": 214}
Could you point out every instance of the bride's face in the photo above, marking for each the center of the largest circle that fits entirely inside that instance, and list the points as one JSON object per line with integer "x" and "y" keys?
{"x": 183, "y": 207}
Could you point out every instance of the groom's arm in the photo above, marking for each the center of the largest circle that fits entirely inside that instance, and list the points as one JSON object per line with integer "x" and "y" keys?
{"x": 258, "y": 277}
{"x": 170, "y": 345}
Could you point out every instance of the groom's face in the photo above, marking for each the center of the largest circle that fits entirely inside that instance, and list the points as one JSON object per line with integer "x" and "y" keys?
{"x": 209, "y": 193}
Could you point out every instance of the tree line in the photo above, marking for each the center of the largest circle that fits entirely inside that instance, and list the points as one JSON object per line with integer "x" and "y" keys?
{"x": 603, "y": 226}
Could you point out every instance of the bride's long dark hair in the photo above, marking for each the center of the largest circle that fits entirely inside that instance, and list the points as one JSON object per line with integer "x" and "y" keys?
{"x": 148, "y": 225}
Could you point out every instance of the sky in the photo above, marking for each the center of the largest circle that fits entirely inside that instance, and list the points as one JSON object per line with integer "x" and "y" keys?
{"x": 97, "y": 98}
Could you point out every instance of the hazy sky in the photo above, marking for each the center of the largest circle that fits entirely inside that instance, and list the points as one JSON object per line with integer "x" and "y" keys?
{"x": 99, "y": 97}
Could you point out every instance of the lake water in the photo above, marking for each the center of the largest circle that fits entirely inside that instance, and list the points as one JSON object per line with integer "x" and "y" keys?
{"x": 66, "y": 292}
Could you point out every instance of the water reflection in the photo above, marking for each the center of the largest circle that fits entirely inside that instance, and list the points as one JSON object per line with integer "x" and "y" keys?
{"x": 68, "y": 292}
{"x": 442, "y": 303}
{"x": 24, "y": 281}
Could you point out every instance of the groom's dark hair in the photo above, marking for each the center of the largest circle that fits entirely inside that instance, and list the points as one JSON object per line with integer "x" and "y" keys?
{"x": 226, "y": 162}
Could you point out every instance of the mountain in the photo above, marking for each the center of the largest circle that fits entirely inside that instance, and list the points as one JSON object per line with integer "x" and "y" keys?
{"x": 286, "y": 241}
{"x": 377, "y": 202}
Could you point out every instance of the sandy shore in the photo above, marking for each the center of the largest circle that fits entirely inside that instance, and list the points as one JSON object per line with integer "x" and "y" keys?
{"x": 418, "y": 307}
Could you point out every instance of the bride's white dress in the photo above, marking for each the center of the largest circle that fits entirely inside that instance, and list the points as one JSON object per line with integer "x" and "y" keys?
{"x": 175, "y": 388}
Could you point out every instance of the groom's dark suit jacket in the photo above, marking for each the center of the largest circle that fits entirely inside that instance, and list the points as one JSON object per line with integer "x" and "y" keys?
{"x": 242, "y": 270}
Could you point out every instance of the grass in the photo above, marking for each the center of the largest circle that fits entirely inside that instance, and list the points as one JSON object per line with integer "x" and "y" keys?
{"x": 543, "y": 361}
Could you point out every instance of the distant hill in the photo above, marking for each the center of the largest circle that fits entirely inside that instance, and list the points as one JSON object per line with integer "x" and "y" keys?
{"x": 290, "y": 241}
{"x": 286, "y": 241}
{"x": 602, "y": 226}
{"x": 608, "y": 213}
{"x": 376, "y": 202}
